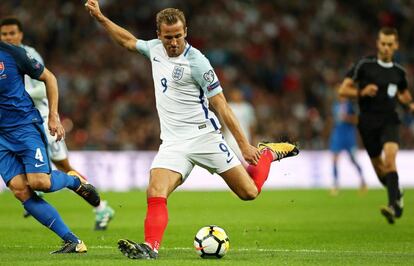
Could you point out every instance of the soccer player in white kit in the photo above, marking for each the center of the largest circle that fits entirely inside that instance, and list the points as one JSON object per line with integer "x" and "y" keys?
{"x": 185, "y": 84}
{"x": 11, "y": 32}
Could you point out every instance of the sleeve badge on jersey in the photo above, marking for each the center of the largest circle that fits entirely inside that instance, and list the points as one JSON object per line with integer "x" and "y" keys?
{"x": 209, "y": 76}
{"x": 1, "y": 68}
{"x": 177, "y": 73}
{"x": 213, "y": 86}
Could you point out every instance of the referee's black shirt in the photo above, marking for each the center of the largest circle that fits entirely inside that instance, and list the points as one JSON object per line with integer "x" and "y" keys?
{"x": 389, "y": 77}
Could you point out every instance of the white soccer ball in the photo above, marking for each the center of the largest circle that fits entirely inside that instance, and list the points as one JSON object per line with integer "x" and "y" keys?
{"x": 211, "y": 242}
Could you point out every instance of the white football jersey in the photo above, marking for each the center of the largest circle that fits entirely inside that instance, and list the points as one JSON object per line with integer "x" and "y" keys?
{"x": 182, "y": 86}
{"x": 36, "y": 88}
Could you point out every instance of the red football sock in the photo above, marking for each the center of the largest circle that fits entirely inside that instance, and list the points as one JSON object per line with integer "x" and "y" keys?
{"x": 156, "y": 221}
{"x": 260, "y": 171}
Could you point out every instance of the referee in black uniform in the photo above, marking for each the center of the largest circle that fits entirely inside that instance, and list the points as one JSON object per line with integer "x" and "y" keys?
{"x": 379, "y": 83}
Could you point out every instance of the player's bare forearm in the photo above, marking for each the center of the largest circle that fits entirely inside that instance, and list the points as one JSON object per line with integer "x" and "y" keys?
{"x": 231, "y": 122}
{"x": 117, "y": 33}
{"x": 51, "y": 91}
{"x": 347, "y": 89}
{"x": 55, "y": 127}
{"x": 219, "y": 103}
{"x": 227, "y": 116}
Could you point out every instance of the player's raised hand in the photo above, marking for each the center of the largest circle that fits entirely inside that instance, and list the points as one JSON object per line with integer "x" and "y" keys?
{"x": 251, "y": 154}
{"x": 55, "y": 127}
{"x": 93, "y": 7}
{"x": 370, "y": 90}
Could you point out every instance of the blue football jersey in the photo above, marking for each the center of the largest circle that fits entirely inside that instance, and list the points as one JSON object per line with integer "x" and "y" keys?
{"x": 16, "y": 106}
{"x": 343, "y": 136}
{"x": 340, "y": 110}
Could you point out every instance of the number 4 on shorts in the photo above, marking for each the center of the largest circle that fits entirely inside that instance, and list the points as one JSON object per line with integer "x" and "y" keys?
{"x": 38, "y": 155}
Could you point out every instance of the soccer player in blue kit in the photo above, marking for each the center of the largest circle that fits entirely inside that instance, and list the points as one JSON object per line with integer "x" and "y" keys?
{"x": 343, "y": 138}
{"x": 11, "y": 32}
{"x": 24, "y": 162}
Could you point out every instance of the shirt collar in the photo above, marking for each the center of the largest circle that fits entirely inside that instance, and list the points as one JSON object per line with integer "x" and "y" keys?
{"x": 385, "y": 64}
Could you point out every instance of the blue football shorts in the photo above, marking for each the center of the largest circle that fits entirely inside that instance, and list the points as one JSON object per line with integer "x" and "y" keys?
{"x": 343, "y": 140}
{"x": 23, "y": 149}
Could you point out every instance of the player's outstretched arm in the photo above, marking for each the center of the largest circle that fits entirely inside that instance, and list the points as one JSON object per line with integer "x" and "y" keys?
{"x": 218, "y": 102}
{"x": 119, "y": 34}
{"x": 52, "y": 95}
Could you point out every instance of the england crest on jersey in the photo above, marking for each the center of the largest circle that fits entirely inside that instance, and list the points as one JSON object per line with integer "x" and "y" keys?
{"x": 177, "y": 73}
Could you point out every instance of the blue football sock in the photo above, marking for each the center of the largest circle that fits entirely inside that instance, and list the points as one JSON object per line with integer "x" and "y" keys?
{"x": 48, "y": 216}
{"x": 71, "y": 237}
{"x": 354, "y": 162}
{"x": 59, "y": 180}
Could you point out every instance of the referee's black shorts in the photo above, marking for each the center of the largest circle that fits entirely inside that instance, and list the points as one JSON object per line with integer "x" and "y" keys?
{"x": 375, "y": 130}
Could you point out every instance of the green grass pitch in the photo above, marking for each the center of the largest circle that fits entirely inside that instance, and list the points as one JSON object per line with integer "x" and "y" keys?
{"x": 281, "y": 227}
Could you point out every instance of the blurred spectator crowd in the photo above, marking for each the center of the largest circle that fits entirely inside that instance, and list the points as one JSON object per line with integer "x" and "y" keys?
{"x": 286, "y": 56}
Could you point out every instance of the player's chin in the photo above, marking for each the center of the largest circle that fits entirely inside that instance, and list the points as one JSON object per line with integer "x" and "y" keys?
{"x": 173, "y": 52}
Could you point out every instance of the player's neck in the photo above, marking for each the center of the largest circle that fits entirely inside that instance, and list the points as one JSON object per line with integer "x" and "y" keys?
{"x": 384, "y": 59}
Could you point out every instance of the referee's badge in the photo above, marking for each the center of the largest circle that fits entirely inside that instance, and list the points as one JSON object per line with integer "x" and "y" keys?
{"x": 392, "y": 90}
{"x": 177, "y": 73}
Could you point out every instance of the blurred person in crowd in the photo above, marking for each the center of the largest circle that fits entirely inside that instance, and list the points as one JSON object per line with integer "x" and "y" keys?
{"x": 245, "y": 114}
{"x": 24, "y": 161}
{"x": 379, "y": 83}
{"x": 185, "y": 84}
{"x": 11, "y": 31}
{"x": 343, "y": 138}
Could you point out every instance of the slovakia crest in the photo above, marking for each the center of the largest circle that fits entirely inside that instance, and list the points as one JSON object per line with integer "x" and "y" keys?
{"x": 177, "y": 73}
{"x": 1, "y": 68}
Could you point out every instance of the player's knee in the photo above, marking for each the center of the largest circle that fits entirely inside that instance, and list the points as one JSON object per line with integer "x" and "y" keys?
{"x": 249, "y": 194}
{"x": 19, "y": 188}
{"x": 41, "y": 183}
{"x": 21, "y": 193}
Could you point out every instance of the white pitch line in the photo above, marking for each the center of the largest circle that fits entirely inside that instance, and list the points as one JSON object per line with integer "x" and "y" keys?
{"x": 248, "y": 250}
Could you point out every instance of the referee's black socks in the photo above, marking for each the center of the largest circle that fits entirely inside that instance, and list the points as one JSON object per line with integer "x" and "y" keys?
{"x": 392, "y": 188}
{"x": 383, "y": 180}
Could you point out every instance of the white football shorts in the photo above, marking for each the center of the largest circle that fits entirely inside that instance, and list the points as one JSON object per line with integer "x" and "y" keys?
{"x": 57, "y": 149}
{"x": 209, "y": 151}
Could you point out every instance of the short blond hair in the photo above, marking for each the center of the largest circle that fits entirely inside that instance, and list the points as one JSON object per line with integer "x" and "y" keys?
{"x": 170, "y": 16}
